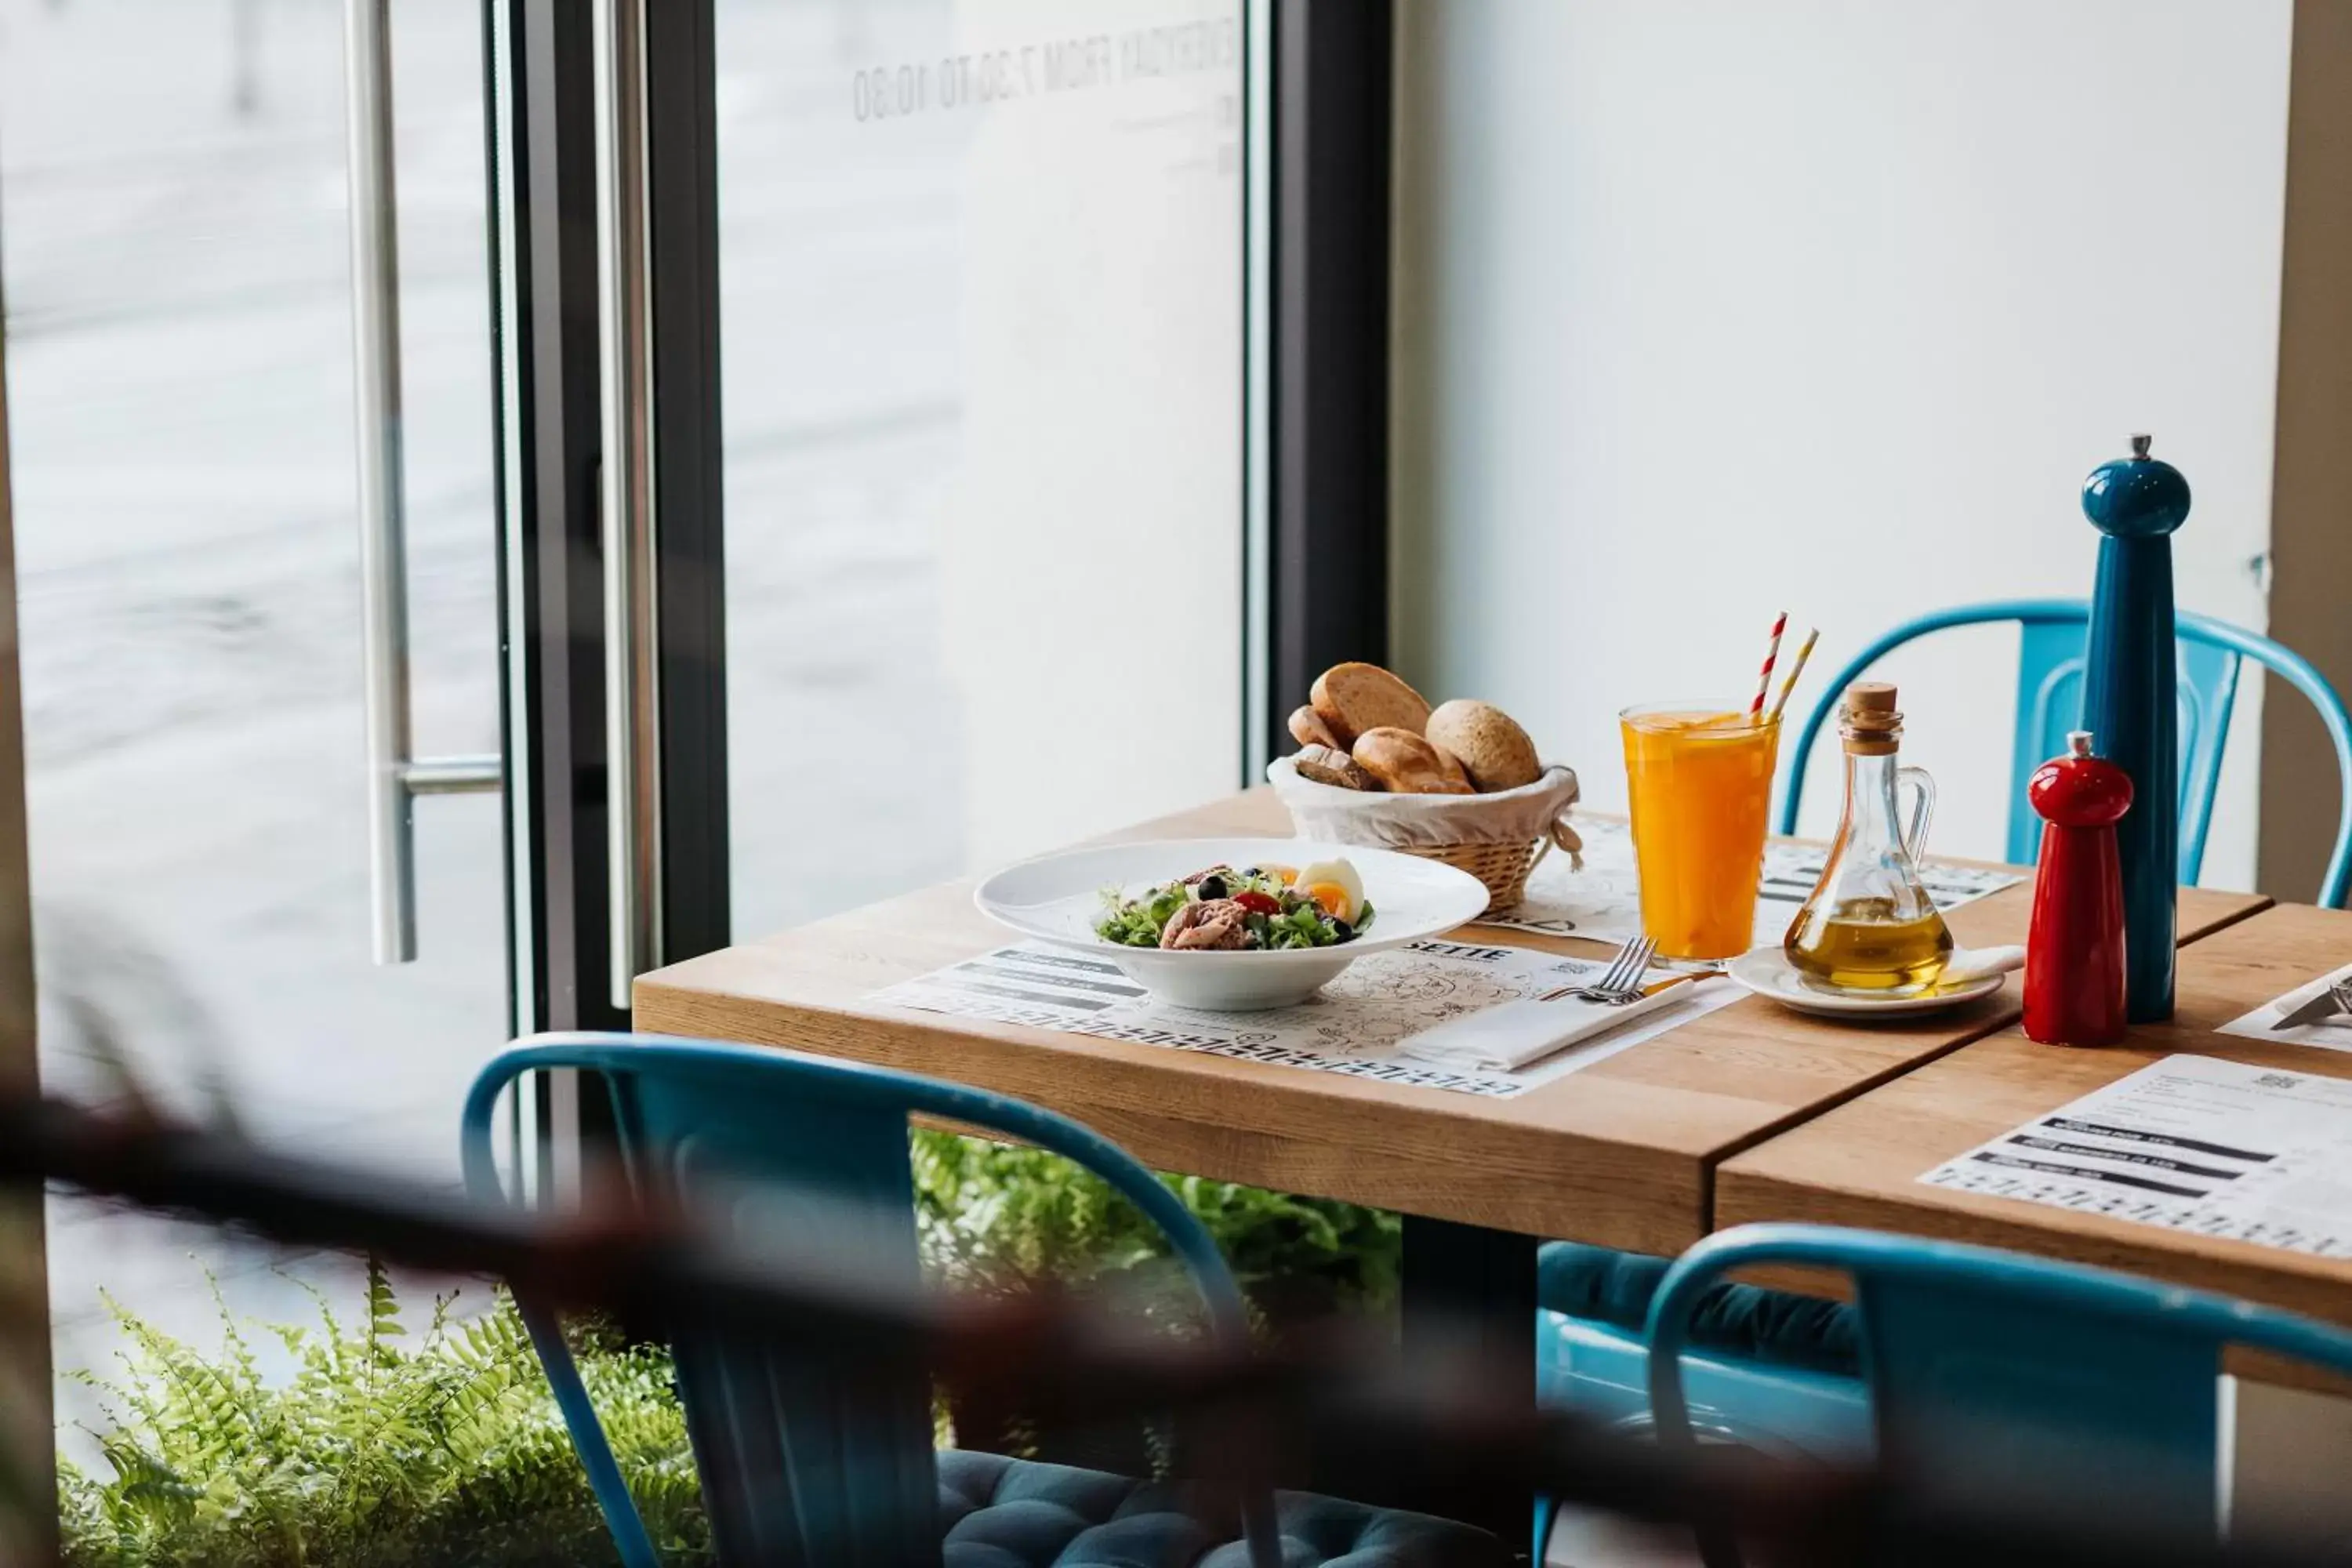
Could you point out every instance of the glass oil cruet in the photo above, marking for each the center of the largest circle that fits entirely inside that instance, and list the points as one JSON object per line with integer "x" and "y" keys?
{"x": 1870, "y": 925}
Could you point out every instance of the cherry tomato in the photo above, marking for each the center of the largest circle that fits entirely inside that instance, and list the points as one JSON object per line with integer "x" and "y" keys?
{"x": 1258, "y": 903}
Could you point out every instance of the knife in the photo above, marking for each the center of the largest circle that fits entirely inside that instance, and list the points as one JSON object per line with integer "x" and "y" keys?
{"x": 2323, "y": 1006}
{"x": 1653, "y": 989}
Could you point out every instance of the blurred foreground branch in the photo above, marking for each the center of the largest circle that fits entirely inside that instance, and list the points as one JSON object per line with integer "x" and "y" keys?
{"x": 1438, "y": 1424}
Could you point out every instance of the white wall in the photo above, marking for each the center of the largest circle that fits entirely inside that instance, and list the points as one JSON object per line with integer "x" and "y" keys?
{"x": 1711, "y": 307}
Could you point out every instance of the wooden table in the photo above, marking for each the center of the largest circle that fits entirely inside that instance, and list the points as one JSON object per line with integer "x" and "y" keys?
{"x": 1621, "y": 1154}
{"x": 1859, "y": 1164}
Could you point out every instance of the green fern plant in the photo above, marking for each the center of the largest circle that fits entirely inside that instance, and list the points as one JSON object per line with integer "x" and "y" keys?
{"x": 375, "y": 1453}
{"x": 387, "y": 1449}
{"x": 997, "y": 1216}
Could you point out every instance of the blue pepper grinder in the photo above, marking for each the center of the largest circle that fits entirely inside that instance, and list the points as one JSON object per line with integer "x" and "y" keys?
{"x": 2131, "y": 702}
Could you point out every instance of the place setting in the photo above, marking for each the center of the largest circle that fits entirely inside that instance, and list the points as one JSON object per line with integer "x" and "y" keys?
{"x": 2316, "y": 1013}
{"x": 1356, "y": 947}
{"x": 1328, "y": 957}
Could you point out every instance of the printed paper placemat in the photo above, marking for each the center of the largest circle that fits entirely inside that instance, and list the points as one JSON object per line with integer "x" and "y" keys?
{"x": 1353, "y": 1027}
{"x": 2333, "y": 1033}
{"x": 2190, "y": 1144}
{"x": 1604, "y": 901}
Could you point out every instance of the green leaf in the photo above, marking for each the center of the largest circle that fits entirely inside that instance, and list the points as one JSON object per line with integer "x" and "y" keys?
{"x": 381, "y": 1450}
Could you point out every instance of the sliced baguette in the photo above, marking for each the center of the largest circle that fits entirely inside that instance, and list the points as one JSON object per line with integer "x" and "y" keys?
{"x": 1352, "y": 699}
{"x": 1306, "y": 727}
{"x": 1405, "y": 763}
{"x": 1328, "y": 764}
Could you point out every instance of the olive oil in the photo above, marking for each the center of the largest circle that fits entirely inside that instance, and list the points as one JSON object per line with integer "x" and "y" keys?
{"x": 1870, "y": 926}
{"x": 1866, "y": 944}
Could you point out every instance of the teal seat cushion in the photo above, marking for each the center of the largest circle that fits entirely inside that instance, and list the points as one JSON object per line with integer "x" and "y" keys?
{"x": 997, "y": 1512}
{"x": 1600, "y": 1284}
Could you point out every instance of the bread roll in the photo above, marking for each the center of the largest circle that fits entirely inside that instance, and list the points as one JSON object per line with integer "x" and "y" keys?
{"x": 1405, "y": 763}
{"x": 1456, "y": 774}
{"x": 1352, "y": 698}
{"x": 1306, "y": 727}
{"x": 1493, "y": 748}
{"x": 1327, "y": 765}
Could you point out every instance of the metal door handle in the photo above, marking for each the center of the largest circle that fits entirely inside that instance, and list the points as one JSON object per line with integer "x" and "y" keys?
{"x": 395, "y": 778}
{"x": 632, "y": 626}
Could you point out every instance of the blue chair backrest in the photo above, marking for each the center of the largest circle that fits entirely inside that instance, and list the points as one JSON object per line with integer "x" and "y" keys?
{"x": 1999, "y": 1379}
{"x": 803, "y": 1460}
{"x": 2054, "y": 634}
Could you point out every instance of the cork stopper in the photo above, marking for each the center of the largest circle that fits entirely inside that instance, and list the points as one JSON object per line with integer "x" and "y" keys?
{"x": 1873, "y": 725}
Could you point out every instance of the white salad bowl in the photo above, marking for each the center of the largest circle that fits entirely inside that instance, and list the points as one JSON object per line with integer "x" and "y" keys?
{"x": 1059, "y": 898}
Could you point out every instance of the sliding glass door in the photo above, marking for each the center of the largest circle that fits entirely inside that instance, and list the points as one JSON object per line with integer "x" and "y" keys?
{"x": 177, "y": 200}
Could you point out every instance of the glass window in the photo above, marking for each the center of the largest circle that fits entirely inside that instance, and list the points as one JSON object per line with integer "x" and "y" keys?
{"x": 177, "y": 280}
{"x": 981, "y": 279}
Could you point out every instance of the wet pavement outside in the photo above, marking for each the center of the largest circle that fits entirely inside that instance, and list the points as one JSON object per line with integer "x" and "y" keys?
{"x": 173, "y": 227}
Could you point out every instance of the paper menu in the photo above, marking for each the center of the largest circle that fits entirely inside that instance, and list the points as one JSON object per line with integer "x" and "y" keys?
{"x": 2194, "y": 1143}
{"x": 2332, "y": 1034}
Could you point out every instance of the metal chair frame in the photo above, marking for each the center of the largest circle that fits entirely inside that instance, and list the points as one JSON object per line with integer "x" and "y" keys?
{"x": 2054, "y": 633}
{"x": 808, "y": 1151}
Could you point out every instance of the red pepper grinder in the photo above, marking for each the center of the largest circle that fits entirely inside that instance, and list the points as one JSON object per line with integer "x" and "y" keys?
{"x": 2074, "y": 951}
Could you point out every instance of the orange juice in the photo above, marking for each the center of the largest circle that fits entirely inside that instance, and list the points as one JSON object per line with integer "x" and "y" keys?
{"x": 1699, "y": 779}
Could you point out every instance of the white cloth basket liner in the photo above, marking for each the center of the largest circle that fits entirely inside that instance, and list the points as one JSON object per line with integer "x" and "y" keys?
{"x": 1522, "y": 815}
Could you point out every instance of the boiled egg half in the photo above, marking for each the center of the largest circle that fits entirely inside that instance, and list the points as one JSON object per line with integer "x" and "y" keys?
{"x": 1334, "y": 886}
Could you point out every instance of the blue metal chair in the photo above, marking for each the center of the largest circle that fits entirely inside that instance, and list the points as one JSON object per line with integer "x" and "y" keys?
{"x": 803, "y": 1461}
{"x": 1768, "y": 1368}
{"x": 1998, "y": 1376}
{"x": 2054, "y": 633}
{"x": 1765, "y": 1369}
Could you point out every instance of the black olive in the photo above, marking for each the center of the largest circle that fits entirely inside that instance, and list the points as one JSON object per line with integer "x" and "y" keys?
{"x": 1211, "y": 886}
{"x": 1341, "y": 931}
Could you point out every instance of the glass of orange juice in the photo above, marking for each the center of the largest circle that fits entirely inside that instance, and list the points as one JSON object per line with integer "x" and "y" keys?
{"x": 1699, "y": 777}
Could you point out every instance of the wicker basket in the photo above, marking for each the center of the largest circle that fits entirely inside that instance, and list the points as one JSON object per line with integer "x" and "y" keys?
{"x": 1504, "y": 868}
{"x": 1497, "y": 838}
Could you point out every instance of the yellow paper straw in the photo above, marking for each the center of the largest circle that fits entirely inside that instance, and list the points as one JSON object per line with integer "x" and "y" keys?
{"x": 1796, "y": 668}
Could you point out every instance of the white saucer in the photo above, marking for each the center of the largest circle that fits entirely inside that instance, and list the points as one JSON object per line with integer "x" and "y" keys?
{"x": 1767, "y": 973}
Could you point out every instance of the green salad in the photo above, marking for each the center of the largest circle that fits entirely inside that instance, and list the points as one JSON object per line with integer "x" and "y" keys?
{"x": 1226, "y": 909}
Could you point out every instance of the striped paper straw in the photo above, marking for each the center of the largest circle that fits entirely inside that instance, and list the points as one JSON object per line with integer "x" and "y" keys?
{"x": 1796, "y": 668}
{"x": 1764, "y": 675}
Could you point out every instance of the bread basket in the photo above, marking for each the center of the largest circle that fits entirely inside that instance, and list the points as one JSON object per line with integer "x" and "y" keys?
{"x": 1497, "y": 838}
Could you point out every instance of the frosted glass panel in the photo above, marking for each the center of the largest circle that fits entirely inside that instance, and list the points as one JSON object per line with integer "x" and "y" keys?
{"x": 981, "y": 276}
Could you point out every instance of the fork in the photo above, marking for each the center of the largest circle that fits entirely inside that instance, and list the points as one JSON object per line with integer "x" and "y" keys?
{"x": 1619, "y": 984}
{"x": 2327, "y": 1008}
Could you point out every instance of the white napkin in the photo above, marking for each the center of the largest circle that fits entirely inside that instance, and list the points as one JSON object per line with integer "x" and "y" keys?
{"x": 1969, "y": 963}
{"x": 1509, "y": 1036}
